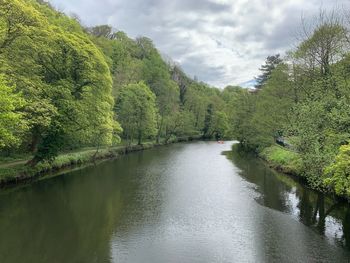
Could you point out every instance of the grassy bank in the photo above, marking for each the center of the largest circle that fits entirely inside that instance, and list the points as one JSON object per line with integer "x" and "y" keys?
{"x": 282, "y": 159}
{"x": 17, "y": 171}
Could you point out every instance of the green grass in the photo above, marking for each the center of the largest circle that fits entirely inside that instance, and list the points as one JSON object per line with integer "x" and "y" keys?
{"x": 283, "y": 159}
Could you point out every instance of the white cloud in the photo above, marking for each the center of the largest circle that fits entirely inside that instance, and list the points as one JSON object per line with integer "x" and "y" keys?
{"x": 222, "y": 42}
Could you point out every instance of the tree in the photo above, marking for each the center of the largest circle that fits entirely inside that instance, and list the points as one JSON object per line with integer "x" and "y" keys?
{"x": 270, "y": 64}
{"x": 105, "y": 31}
{"x": 182, "y": 81}
{"x": 324, "y": 45}
{"x": 208, "y": 121}
{"x": 62, "y": 76}
{"x": 167, "y": 100}
{"x": 137, "y": 112}
{"x": 274, "y": 106}
{"x": 179, "y": 124}
{"x": 218, "y": 126}
{"x": 242, "y": 106}
{"x": 196, "y": 102}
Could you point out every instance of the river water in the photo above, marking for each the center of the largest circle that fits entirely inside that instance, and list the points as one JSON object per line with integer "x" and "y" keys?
{"x": 195, "y": 202}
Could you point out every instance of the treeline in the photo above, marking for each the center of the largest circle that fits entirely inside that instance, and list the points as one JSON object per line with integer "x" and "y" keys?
{"x": 63, "y": 87}
{"x": 303, "y": 103}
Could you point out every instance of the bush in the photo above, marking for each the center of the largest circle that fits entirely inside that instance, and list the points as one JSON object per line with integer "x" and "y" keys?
{"x": 338, "y": 174}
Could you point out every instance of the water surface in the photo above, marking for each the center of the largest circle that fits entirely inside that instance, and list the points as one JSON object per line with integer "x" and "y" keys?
{"x": 178, "y": 203}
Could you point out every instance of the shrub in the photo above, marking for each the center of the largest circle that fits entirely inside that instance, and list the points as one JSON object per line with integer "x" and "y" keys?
{"x": 338, "y": 173}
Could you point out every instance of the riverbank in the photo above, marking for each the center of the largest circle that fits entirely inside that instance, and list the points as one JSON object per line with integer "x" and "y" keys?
{"x": 18, "y": 172}
{"x": 289, "y": 162}
{"x": 282, "y": 160}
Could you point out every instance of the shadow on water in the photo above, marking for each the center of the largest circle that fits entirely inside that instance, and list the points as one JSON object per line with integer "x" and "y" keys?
{"x": 71, "y": 218}
{"x": 324, "y": 214}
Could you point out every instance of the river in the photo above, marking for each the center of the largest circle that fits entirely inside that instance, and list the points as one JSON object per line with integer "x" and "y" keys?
{"x": 190, "y": 202}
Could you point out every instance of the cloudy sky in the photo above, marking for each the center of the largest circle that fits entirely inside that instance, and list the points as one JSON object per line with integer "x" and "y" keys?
{"x": 222, "y": 42}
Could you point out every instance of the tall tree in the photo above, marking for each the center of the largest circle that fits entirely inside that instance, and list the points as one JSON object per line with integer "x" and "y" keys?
{"x": 266, "y": 69}
{"x": 63, "y": 77}
{"x": 324, "y": 45}
{"x": 137, "y": 113}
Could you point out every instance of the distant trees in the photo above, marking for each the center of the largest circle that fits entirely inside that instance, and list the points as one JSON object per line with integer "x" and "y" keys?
{"x": 241, "y": 109}
{"x": 102, "y": 31}
{"x": 218, "y": 126}
{"x": 181, "y": 102}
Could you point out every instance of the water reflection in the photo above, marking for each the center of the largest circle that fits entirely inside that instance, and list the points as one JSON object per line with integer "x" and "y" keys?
{"x": 70, "y": 218}
{"x": 327, "y": 216}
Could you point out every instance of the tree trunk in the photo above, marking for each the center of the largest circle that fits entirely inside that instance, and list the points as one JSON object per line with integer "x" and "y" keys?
{"x": 95, "y": 154}
{"x": 34, "y": 143}
{"x": 139, "y": 138}
{"x": 33, "y": 162}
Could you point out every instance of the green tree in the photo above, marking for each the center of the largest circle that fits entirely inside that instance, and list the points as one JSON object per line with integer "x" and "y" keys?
{"x": 323, "y": 47}
{"x": 270, "y": 64}
{"x": 105, "y": 31}
{"x": 274, "y": 105}
{"x": 137, "y": 112}
{"x": 338, "y": 174}
{"x": 218, "y": 126}
{"x": 241, "y": 105}
{"x": 63, "y": 77}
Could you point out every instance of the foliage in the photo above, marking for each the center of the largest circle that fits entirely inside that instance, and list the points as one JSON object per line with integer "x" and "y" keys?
{"x": 61, "y": 75}
{"x": 66, "y": 85}
{"x": 303, "y": 104}
{"x": 270, "y": 64}
{"x": 136, "y": 110}
{"x": 338, "y": 173}
{"x": 241, "y": 107}
{"x": 282, "y": 158}
{"x": 12, "y": 122}
{"x": 180, "y": 101}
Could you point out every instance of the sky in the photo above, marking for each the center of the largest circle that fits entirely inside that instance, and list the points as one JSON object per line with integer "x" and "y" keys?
{"x": 221, "y": 42}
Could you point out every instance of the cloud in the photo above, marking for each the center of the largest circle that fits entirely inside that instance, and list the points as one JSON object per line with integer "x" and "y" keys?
{"x": 222, "y": 42}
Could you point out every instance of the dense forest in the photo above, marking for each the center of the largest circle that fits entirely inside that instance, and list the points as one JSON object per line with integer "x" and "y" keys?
{"x": 65, "y": 87}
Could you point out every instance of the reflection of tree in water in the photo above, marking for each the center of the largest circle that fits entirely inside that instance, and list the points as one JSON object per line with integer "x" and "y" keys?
{"x": 305, "y": 207}
{"x": 346, "y": 228}
{"x": 315, "y": 212}
{"x": 71, "y": 218}
{"x": 312, "y": 208}
{"x": 254, "y": 171}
